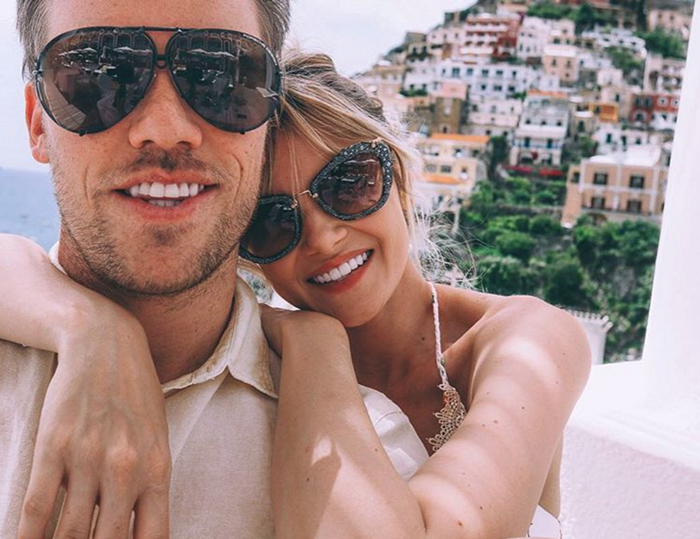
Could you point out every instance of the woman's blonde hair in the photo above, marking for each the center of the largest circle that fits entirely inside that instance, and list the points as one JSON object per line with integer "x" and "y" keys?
{"x": 329, "y": 111}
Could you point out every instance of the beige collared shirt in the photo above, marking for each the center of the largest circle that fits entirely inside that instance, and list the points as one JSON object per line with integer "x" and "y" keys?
{"x": 221, "y": 419}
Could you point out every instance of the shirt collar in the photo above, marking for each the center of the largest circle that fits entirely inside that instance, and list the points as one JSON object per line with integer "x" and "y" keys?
{"x": 242, "y": 349}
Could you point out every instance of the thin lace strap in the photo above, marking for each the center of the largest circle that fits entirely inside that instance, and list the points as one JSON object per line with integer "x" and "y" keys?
{"x": 453, "y": 411}
{"x": 439, "y": 359}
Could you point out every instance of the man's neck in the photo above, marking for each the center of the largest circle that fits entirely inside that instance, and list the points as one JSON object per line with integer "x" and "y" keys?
{"x": 182, "y": 330}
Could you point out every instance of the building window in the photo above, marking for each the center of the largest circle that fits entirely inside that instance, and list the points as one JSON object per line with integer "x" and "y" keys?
{"x": 634, "y": 206}
{"x": 554, "y": 62}
{"x": 600, "y": 178}
{"x": 445, "y": 169}
{"x": 484, "y": 72}
{"x": 431, "y": 168}
{"x": 455, "y": 72}
{"x": 527, "y": 142}
{"x": 598, "y": 203}
{"x": 637, "y": 181}
{"x": 550, "y": 143}
{"x": 575, "y": 177}
{"x": 662, "y": 101}
{"x": 470, "y": 71}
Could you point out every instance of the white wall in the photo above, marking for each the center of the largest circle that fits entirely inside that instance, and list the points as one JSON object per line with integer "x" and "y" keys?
{"x": 631, "y": 466}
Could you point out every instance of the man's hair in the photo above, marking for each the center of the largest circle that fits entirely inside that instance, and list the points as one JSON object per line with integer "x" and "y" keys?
{"x": 273, "y": 16}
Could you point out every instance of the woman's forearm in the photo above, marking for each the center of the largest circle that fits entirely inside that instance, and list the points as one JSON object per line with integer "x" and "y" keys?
{"x": 332, "y": 477}
{"x": 39, "y": 305}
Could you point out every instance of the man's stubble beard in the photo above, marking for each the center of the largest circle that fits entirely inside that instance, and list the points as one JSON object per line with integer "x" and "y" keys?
{"x": 103, "y": 263}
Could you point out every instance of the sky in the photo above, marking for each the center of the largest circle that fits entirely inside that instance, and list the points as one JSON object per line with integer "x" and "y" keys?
{"x": 354, "y": 32}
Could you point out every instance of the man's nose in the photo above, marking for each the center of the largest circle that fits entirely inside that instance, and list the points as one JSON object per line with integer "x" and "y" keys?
{"x": 164, "y": 119}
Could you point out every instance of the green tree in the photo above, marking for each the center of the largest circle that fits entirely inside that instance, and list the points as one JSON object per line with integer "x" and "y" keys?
{"x": 638, "y": 243}
{"x": 545, "y": 226}
{"x": 565, "y": 282}
{"x": 498, "y": 153}
{"x": 504, "y": 275}
{"x": 667, "y": 44}
{"x": 516, "y": 244}
{"x": 585, "y": 18}
{"x": 550, "y": 10}
{"x": 624, "y": 59}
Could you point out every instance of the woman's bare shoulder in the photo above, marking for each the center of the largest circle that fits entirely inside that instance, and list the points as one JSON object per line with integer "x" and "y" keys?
{"x": 515, "y": 329}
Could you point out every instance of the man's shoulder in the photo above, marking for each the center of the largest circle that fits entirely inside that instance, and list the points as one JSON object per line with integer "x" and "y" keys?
{"x": 22, "y": 365}
{"x": 10, "y": 351}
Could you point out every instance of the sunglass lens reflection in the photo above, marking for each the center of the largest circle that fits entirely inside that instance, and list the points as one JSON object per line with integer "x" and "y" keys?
{"x": 223, "y": 77}
{"x": 93, "y": 79}
{"x": 353, "y": 186}
{"x": 272, "y": 230}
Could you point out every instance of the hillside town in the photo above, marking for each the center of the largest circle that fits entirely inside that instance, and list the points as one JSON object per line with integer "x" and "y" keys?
{"x": 559, "y": 111}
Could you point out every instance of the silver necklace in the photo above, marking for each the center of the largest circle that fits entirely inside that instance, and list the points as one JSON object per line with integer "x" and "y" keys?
{"x": 453, "y": 410}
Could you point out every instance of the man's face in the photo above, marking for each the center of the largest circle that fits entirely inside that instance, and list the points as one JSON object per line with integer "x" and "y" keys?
{"x": 125, "y": 242}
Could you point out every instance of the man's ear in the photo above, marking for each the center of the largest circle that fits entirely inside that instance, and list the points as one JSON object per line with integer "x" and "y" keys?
{"x": 33, "y": 115}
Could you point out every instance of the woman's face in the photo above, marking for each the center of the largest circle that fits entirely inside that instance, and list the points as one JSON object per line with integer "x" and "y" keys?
{"x": 314, "y": 275}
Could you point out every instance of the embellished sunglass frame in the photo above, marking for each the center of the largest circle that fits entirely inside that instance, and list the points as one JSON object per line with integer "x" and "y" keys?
{"x": 378, "y": 148}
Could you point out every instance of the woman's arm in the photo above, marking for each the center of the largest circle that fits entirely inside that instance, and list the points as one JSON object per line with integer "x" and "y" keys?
{"x": 331, "y": 476}
{"x": 102, "y": 433}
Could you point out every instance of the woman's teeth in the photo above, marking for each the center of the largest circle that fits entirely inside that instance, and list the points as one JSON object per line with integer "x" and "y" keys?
{"x": 165, "y": 196}
{"x": 345, "y": 269}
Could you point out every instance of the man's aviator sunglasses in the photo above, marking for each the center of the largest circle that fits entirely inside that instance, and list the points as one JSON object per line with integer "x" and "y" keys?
{"x": 89, "y": 79}
{"x": 355, "y": 184}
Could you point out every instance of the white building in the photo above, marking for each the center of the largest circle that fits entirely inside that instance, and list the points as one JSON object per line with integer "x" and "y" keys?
{"x": 384, "y": 80}
{"x": 617, "y": 37}
{"x": 539, "y": 138}
{"x": 536, "y": 33}
{"x": 663, "y": 75}
{"x": 453, "y": 166}
{"x": 561, "y": 61}
{"x": 609, "y": 76}
{"x": 494, "y": 117}
{"x": 612, "y": 138}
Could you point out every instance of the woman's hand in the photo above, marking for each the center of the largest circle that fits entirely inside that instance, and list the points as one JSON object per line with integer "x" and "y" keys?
{"x": 102, "y": 435}
{"x": 285, "y": 326}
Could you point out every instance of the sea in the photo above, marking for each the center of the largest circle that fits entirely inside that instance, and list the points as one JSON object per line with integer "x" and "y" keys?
{"x": 27, "y": 206}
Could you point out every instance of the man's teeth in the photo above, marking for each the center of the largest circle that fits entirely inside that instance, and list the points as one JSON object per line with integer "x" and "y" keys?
{"x": 161, "y": 191}
{"x": 342, "y": 271}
